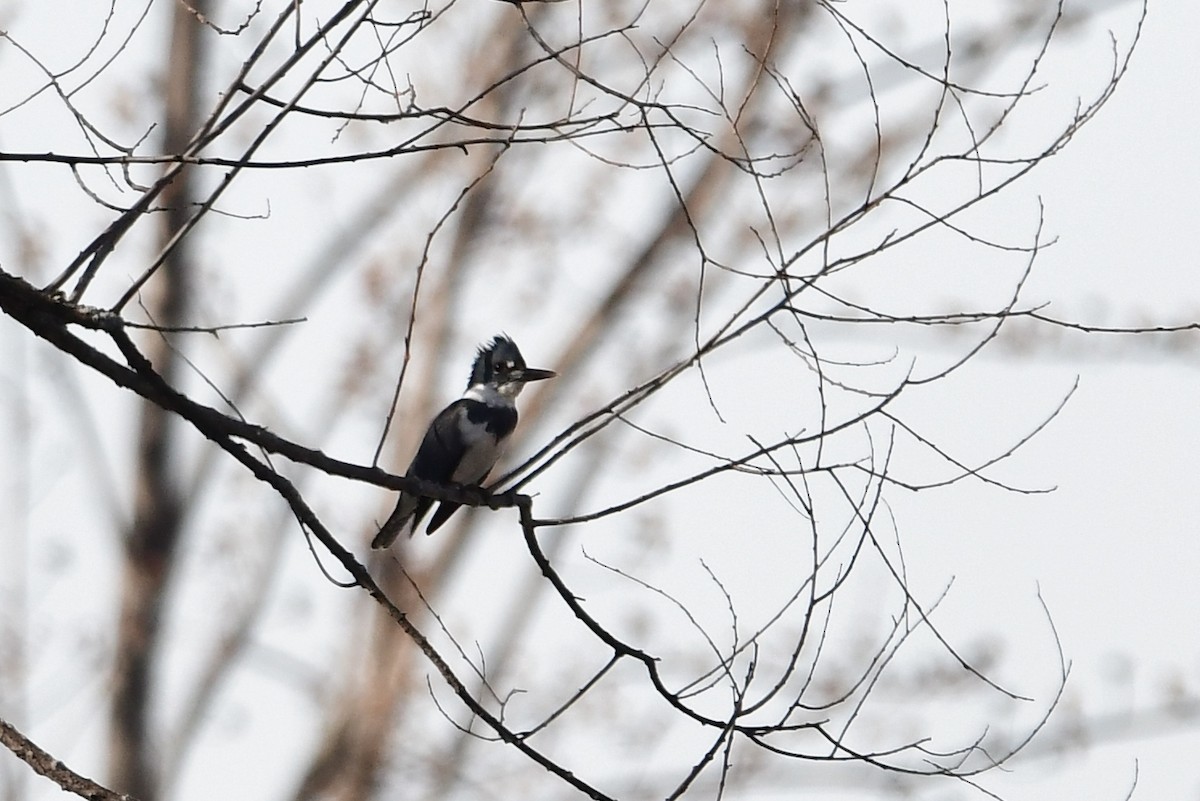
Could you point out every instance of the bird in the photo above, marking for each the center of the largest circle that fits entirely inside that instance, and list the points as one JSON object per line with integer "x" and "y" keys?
{"x": 467, "y": 438}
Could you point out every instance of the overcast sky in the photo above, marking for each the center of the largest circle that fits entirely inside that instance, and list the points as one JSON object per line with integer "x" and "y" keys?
{"x": 1114, "y": 550}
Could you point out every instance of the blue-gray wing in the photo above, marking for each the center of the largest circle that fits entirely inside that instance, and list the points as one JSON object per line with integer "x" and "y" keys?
{"x": 443, "y": 447}
{"x": 488, "y": 427}
{"x": 441, "y": 450}
{"x": 461, "y": 446}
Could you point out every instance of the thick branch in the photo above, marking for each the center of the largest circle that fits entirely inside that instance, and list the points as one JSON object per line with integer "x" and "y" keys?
{"x": 48, "y": 316}
{"x": 46, "y": 765}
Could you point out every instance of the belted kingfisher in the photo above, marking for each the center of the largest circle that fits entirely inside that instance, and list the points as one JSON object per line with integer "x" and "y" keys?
{"x": 465, "y": 440}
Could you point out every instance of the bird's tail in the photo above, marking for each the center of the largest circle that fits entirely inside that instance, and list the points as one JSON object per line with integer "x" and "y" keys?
{"x": 391, "y": 528}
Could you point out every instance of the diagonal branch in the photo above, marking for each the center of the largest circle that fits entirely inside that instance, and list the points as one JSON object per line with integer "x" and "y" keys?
{"x": 45, "y": 764}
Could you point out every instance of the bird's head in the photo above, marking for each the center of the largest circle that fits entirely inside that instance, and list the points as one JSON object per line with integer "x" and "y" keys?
{"x": 499, "y": 364}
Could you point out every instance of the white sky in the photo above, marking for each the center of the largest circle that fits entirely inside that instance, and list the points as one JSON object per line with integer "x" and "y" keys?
{"x": 1114, "y": 550}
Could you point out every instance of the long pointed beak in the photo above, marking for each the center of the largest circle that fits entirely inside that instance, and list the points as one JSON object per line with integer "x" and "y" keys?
{"x": 534, "y": 374}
